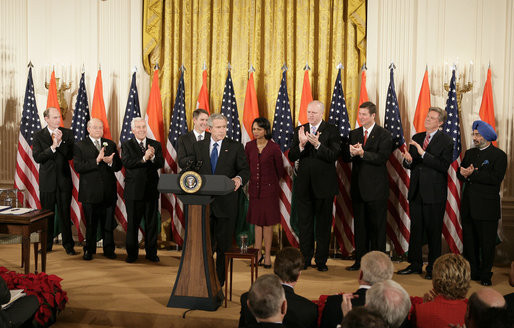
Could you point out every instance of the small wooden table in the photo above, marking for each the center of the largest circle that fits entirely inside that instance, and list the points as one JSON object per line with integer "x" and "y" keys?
{"x": 25, "y": 224}
{"x": 235, "y": 253}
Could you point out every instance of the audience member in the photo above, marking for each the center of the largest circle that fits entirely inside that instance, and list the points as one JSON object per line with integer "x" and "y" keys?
{"x": 391, "y": 301}
{"x": 301, "y": 312}
{"x": 483, "y": 306}
{"x": 267, "y": 302}
{"x": 362, "y": 317}
{"x": 375, "y": 267}
{"x": 447, "y": 302}
{"x": 21, "y": 312}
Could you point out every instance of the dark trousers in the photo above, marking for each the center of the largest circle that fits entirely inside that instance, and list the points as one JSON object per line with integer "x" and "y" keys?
{"x": 222, "y": 230}
{"x": 315, "y": 220}
{"x": 425, "y": 218}
{"x": 479, "y": 238}
{"x": 136, "y": 210}
{"x": 20, "y": 313}
{"x": 370, "y": 220}
{"x": 102, "y": 213}
{"x": 63, "y": 202}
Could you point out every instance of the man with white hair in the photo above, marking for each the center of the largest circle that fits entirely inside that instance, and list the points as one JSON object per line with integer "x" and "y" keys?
{"x": 391, "y": 301}
{"x": 96, "y": 159}
{"x": 142, "y": 159}
{"x": 267, "y": 301}
{"x": 375, "y": 267}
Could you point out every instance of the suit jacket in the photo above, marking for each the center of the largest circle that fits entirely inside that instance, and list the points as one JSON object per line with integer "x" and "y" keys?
{"x": 332, "y": 314}
{"x": 301, "y": 313}
{"x": 439, "y": 313}
{"x": 316, "y": 170}
{"x": 266, "y": 169}
{"x": 185, "y": 152}
{"x": 231, "y": 163}
{"x": 97, "y": 181}
{"x": 481, "y": 191}
{"x": 369, "y": 173}
{"x": 141, "y": 178}
{"x": 54, "y": 169}
{"x": 429, "y": 174}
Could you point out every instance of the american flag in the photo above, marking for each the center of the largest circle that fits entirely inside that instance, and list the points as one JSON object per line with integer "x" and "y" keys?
{"x": 342, "y": 213}
{"x": 452, "y": 229}
{"x": 178, "y": 126}
{"x": 398, "y": 220}
{"x": 229, "y": 110}
{"x": 79, "y": 128}
{"x": 26, "y": 177}
{"x": 283, "y": 134}
{"x": 131, "y": 111}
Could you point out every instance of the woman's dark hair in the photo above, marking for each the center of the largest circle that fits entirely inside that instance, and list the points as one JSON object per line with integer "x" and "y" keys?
{"x": 263, "y": 123}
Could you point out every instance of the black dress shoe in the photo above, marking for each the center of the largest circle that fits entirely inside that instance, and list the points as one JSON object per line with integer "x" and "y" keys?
{"x": 110, "y": 255}
{"x": 87, "y": 256}
{"x": 130, "y": 259}
{"x": 267, "y": 266}
{"x": 428, "y": 276}
{"x": 356, "y": 266}
{"x": 410, "y": 270}
{"x": 71, "y": 251}
{"x": 153, "y": 258}
{"x": 322, "y": 268}
{"x": 486, "y": 282}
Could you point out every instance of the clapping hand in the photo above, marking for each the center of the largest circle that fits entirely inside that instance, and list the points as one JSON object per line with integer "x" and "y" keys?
{"x": 346, "y": 304}
{"x": 56, "y": 138}
{"x": 356, "y": 150}
{"x": 418, "y": 147}
{"x": 149, "y": 153}
{"x": 467, "y": 171}
{"x": 302, "y": 137}
{"x": 101, "y": 155}
{"x": 313, "y": 139}
{"x": 406, "y": 155}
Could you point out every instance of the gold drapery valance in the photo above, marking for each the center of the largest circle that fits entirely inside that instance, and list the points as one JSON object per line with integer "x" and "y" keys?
{"x": 265, "y": 34}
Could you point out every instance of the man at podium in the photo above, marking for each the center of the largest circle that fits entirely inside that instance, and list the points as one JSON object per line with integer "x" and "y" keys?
{"x": 222, "y": 156}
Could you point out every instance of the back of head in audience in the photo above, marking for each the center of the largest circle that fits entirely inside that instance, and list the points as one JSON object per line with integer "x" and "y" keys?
{"x": 480, "y": 303}
{"x": 267, "y": 300}
{"x": 451, "y": 276}
{"x": 288, "y": 264}
{"x": 363, "y": 317}
{"x": 375, "y": 267}
{"x": 390, "y": 300}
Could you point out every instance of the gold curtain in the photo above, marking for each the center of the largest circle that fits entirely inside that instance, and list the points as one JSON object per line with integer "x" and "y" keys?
{"x": 265, "y": 34}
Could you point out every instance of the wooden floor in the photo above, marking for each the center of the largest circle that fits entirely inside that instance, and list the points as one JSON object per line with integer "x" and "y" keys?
{"x": 112, "y": 293}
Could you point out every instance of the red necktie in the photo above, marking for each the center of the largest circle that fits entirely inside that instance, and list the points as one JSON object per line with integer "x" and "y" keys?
{"x": 365, "y": 137}
{"x": 425, "y": 143}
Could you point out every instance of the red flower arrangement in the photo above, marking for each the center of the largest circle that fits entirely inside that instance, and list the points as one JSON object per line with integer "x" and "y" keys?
{"x": 47, "y": 288}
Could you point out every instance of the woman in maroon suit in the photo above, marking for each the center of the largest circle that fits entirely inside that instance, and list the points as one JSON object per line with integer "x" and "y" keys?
{"x": 266, "y": 168}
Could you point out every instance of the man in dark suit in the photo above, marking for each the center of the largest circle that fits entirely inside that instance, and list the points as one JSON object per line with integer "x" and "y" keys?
{"x": 316, "y": 146}
{"x": 429, "y": 156}
{"x": 142, "y": 158}
{"x": 482, "y": 170}
{"x": 52, "y": 149}
{"x": 96, "y": 159}
{"x": 185, "y": 152}
{"x": 368, "y": 148}
{"x": 222, "y": 156}
{"x": 301, "y": 312}
{"x": 375, "y": 267}
{"x": 267, "y": 302}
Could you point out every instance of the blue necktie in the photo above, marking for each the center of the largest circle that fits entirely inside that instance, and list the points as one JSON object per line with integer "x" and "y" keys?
{"x": 214, "y": 157}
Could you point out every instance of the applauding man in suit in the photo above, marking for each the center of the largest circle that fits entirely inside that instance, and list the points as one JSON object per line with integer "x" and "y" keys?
{"x": 222, "y": 156}
{"x": 316, "y": 146}
{"x": 96, "y": 159}
{"x": 482, "y": 170}
{"x": 369, "y": 148}
{"x": 185, "y": 152}
{"x": 142, "y": 159}
{"x": 428, "y": 158}
{"x": 52, "y": 149}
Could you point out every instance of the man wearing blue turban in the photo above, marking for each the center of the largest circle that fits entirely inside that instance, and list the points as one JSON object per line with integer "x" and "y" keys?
{"x": 482, "y": 171}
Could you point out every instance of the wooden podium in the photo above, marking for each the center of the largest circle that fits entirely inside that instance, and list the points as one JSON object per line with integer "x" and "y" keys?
{"x": 197, "y": 286}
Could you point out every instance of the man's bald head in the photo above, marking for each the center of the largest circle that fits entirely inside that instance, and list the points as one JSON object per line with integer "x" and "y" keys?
{"x": 483, "y": 306}
{"x": 491, "y": 297}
